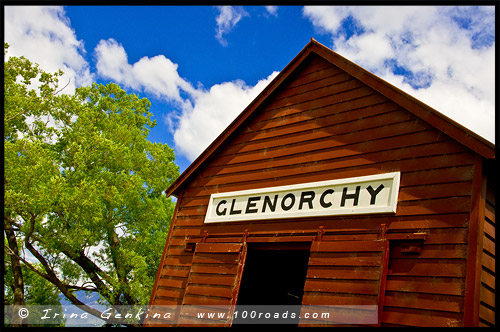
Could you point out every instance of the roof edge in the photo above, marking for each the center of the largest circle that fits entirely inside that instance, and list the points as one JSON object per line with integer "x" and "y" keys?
{"x": 241, "y": 118}
{"x": 461, "y": 134}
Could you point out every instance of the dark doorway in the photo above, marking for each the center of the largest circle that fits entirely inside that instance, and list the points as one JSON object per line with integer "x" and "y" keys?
{"x": 274, "y": 274}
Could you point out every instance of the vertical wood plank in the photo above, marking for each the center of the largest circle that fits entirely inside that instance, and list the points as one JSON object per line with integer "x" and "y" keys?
{"x": 207, "y": 288}
{"x": 363, "y": 288}
{"x": 475, "y": 246}
{"x": 152, "y": 301}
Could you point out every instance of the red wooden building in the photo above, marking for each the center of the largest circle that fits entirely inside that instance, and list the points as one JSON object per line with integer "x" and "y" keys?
{"x": 331, "y": 189}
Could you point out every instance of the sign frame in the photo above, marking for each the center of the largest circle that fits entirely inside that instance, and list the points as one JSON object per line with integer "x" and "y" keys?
{"x": 393, "y": 178}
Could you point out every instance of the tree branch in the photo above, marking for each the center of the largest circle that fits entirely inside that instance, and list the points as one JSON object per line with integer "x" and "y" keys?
{"x": 91, "y": 289}
{"x": 30, "y": 266}
{"x": 94, "y": 273}
{"x": 52, "y": 277}
{"x": 118, "y": 262}
{"x": 64, "y": 87}
{"x": 27, "y": 264}
{"x": 18, "y": 285}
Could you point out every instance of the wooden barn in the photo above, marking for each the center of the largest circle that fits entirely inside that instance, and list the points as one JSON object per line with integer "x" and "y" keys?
{"x": 334, "y": 189}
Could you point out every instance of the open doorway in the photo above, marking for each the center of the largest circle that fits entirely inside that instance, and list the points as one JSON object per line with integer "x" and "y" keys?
{"x": 274, "y": 276}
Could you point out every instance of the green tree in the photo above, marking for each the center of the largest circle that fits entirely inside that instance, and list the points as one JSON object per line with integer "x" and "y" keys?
{"x": 84, "y": 188}
{"x": 38, "y": 291}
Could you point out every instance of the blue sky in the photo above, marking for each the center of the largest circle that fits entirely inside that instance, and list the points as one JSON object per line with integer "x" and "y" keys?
{"x": 201, "y": 65}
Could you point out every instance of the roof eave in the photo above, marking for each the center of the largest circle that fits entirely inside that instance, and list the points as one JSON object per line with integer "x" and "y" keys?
{"x": 426, "y": 113}
{"x": 451, "y": 128}
{"x": 241, "y": 118}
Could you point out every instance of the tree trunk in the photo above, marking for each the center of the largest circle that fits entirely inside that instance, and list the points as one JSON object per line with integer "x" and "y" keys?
{"x": 18, "y": 285}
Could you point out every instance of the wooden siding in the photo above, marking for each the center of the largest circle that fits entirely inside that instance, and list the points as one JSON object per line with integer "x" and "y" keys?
{"x": 213, "y": 281}
{"x": 487, "y": 295}
{"x": 345, "y": 274}
{"x": 427, "y": 289}
{"x": 323, "y": 124}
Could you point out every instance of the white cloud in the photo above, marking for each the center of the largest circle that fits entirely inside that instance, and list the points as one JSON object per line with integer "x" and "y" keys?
{"x": 157, "y": 75}
{"x": 213, "y": 111}
{"x": 272, "y": 10}
{"x": 227, "y": 19}
{"x": 202, "y": 114}
{"x": 443, "y": 56}
{"x": 326, "y": 19}
{"x": 44, "y": 35}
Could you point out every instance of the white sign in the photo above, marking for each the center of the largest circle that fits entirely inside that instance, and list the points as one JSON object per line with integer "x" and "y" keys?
{"x": 359, "y": 195}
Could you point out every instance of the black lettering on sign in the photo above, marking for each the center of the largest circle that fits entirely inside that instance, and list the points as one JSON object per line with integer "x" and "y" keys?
{"x": 374, "y": 193}
{"x": 307, "y": 197}
{"x": 223, "y": 212}
{"x": 272, "y": 205}
{"x": 251, "y": 204}
{"x": 288, "y": 207}
{"x": 322, "y": 198}
{"x": 354, "y": 196}
{"x": 233, "y": 211}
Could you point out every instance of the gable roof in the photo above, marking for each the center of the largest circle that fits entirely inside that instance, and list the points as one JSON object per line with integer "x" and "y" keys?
{"x": 426, "y": 113}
